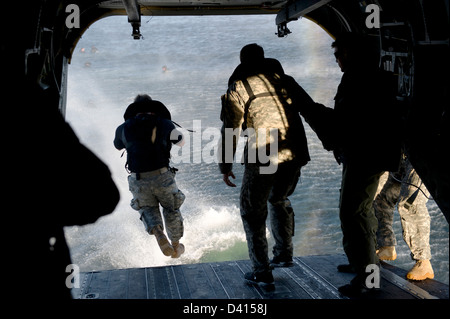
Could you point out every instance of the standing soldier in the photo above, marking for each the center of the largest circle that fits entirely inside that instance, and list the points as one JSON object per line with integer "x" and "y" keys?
{"x": 261, "y": 99}
{"x": 406, "y": 190}
{"x": 148, "y": 135}
{"x": 364, "y": 102}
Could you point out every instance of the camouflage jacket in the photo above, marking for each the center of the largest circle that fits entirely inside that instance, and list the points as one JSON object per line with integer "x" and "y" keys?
{"x": 264, "y": 108}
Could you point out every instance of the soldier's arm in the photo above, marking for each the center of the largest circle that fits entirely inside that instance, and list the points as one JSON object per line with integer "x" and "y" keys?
{"x": 301, "y": 99}
{"x": 177, "y": 138}
{"x": 232, "y": 117}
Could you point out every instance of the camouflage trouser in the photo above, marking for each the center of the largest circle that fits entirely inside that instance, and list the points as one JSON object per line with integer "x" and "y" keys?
{"x": 256, "y": 190}
{"x": 412, "y": 209}
{"x": 149, "y": 193}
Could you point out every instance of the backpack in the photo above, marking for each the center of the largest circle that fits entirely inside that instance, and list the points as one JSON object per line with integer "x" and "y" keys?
{"x": 144, "y": 143}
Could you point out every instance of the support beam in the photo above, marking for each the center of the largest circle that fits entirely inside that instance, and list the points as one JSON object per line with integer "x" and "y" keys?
{"x": 134, "y": 16}
{"x": 297, "y": 9}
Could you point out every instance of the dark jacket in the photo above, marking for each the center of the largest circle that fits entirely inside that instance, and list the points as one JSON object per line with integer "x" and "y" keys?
{"x": 364, "y": 127}
{"x": 148, "y": 139}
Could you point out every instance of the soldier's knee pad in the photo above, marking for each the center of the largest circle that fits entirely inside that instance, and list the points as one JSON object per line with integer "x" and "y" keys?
{"x": 179, "y": 198}
{"x": 135, "y": 204}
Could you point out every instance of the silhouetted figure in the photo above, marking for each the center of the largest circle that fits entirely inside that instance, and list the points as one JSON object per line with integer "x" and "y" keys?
{"x": 147, "y": 135}
{"x": 260, "y": 98}
{"x": 57, "y": 182}
{"x": 362, "y": 131}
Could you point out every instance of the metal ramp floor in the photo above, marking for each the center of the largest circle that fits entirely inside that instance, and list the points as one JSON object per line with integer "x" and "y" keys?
{"x": 311, "y": 277}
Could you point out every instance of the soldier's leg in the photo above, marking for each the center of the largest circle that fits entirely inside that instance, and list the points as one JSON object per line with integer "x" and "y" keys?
{"x": 358, "y": 221}
{"x": 281, "y": 212}
{"x": 173, "y": 217}
{"x": 253, "y": 205}
{"x": 415, "y": 217}
{"x": 174, "y": 223}
{"x": 145, "y": 202}
{"x": 384, "y": 205}
{"x": 171, "y": 199}
{"x": 416, "y": 225}
{"x": 359, "y": 225}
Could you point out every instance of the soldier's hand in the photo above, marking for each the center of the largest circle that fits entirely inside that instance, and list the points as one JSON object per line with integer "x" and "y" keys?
{"x": 226, "y": 179}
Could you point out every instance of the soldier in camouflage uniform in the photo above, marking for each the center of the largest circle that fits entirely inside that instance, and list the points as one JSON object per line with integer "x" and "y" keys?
{"x": 261, "y": 102}
{"x": 147, "y": 134}
{"x": 400, "y": 189}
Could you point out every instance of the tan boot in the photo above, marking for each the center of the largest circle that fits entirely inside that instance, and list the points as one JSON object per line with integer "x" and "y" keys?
{"x": 421, "y": 270}
{"x": 387, "y": 253}
{"x": 163, "y": 242}
{"x": 178, "y": 249}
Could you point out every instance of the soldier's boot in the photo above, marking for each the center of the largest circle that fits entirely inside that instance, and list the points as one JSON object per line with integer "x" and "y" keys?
{"x": 387, "y": 253}
{"x": 162, "y": 240}
{"x": 178, "y": 249}
{"x": 421, "y": 270}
